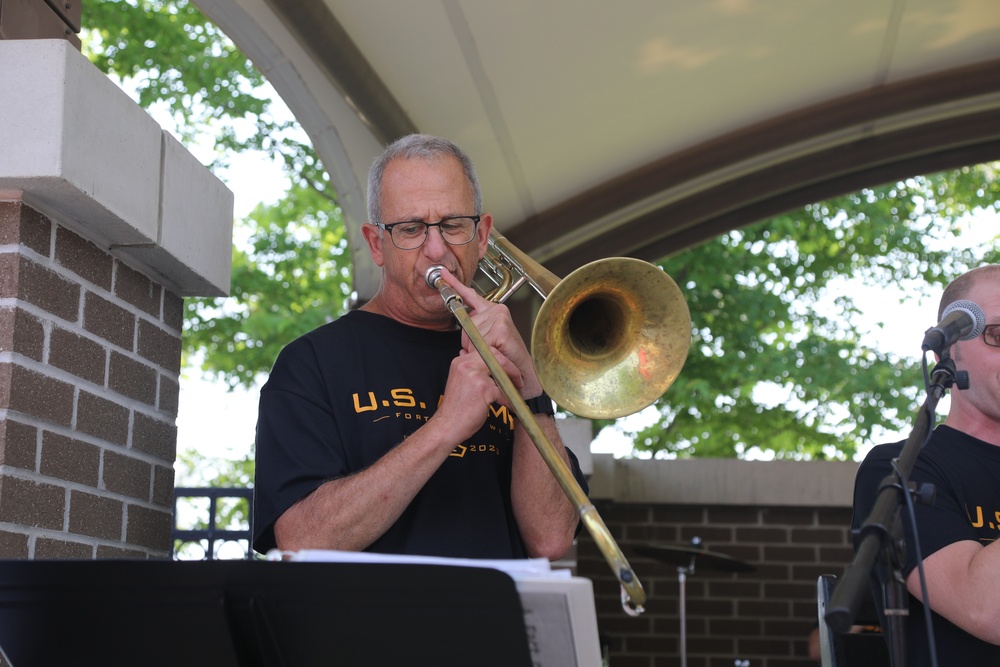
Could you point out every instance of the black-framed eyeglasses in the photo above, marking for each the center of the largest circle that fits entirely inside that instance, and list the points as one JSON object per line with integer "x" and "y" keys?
{"x": 991, "y": 335}
{"x": 412, "y": 234}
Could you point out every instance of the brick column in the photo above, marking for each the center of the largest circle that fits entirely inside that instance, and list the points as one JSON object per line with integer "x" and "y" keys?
{"x": 106, "y": 223}
{"x": 89, "y": 364}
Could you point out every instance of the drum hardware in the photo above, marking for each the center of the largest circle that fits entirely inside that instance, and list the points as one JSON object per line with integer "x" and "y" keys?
{"x": 687, "y": 558}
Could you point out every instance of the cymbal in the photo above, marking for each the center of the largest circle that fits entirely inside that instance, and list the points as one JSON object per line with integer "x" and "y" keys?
{"x": 698, "y": 556}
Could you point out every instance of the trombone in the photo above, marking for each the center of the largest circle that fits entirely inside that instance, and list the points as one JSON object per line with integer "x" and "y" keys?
{"x": 608, "y": 340}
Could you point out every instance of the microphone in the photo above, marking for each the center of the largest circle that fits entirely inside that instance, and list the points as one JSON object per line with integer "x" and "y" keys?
{"x": 961, "y": 320}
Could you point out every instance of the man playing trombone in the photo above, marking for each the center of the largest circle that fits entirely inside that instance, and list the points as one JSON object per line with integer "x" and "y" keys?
{"x": 384, "y": 430}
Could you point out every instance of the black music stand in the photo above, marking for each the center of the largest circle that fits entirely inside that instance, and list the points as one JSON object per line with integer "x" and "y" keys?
{"x": 258, "y": 613}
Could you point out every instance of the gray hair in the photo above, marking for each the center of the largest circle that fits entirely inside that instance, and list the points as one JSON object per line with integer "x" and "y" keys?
{"x": 425, "y": 147}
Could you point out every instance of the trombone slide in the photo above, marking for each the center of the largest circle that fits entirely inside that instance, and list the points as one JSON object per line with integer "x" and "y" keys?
{"x": 633, "y": 595}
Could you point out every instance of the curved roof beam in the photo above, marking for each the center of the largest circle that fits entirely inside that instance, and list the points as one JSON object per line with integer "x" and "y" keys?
{"x": 917, "y": 126}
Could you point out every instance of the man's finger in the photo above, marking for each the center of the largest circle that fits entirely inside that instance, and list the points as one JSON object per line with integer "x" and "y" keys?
{"x": 469, "y": 295}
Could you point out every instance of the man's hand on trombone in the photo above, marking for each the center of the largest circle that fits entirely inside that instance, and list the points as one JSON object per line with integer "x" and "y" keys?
{"x": 494, "y": 323}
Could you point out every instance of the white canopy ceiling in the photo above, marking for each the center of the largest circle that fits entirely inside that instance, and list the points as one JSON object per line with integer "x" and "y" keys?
{"x": 638, "y": 127}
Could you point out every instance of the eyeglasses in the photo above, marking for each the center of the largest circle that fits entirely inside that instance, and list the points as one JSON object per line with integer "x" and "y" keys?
{"x": 991, "y": 335}
{"x": 412, "y": 234}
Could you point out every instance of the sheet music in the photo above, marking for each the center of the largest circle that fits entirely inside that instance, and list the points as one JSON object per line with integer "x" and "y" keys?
{"x": 516, "y": 568}
{"x": 561, "y": 622}
{"x": 550, "y": 632}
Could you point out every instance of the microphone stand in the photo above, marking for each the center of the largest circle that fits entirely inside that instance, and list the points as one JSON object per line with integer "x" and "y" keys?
{"x": 881, "y": 537}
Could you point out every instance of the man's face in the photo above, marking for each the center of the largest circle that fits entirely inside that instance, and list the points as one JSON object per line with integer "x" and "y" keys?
{"x": 425, "y": 190}
{"x": 982, "y": 399}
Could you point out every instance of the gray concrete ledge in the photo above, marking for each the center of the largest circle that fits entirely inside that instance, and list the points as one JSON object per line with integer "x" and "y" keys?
{"x": 723, "y": 482}
{"x": 78, "y": 149}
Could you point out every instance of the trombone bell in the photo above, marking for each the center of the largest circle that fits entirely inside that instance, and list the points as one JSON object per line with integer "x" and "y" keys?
{"x": 609, "y": 339}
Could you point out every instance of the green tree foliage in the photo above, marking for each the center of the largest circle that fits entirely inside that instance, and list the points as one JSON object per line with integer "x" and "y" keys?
{"x": 755, "y": 296}
{"x": 175, "y": 57}
{"x": 754, "y": 293}
{"x": 287, "y": 275}
{"x": 293, "y": 276}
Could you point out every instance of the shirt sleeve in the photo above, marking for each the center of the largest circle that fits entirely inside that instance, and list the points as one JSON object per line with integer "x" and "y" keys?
{"x": 298, "y": 446}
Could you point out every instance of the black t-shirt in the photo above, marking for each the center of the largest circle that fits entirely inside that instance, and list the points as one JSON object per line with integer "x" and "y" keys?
{"x": 965, "y": 472}
{"x": 343, "y": 395}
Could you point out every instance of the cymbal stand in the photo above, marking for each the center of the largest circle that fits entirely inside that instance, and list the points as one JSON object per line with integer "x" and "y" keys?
{"x": 682, "y": 574}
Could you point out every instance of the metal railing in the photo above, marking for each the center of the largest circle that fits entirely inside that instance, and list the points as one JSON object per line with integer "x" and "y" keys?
{"x": 194, "y": 530}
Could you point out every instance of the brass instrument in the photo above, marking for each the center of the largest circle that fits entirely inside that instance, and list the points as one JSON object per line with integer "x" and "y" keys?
{"x": 608, "y": 340}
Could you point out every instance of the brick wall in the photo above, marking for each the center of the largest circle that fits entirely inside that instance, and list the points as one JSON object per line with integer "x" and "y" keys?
{"x": 763, "y": 616}
{"x": 89, "y": 365}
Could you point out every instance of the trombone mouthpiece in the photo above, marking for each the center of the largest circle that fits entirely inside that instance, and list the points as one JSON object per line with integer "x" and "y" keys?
{"x": 450, "y": 296}
{"x": 432, "y": 274}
